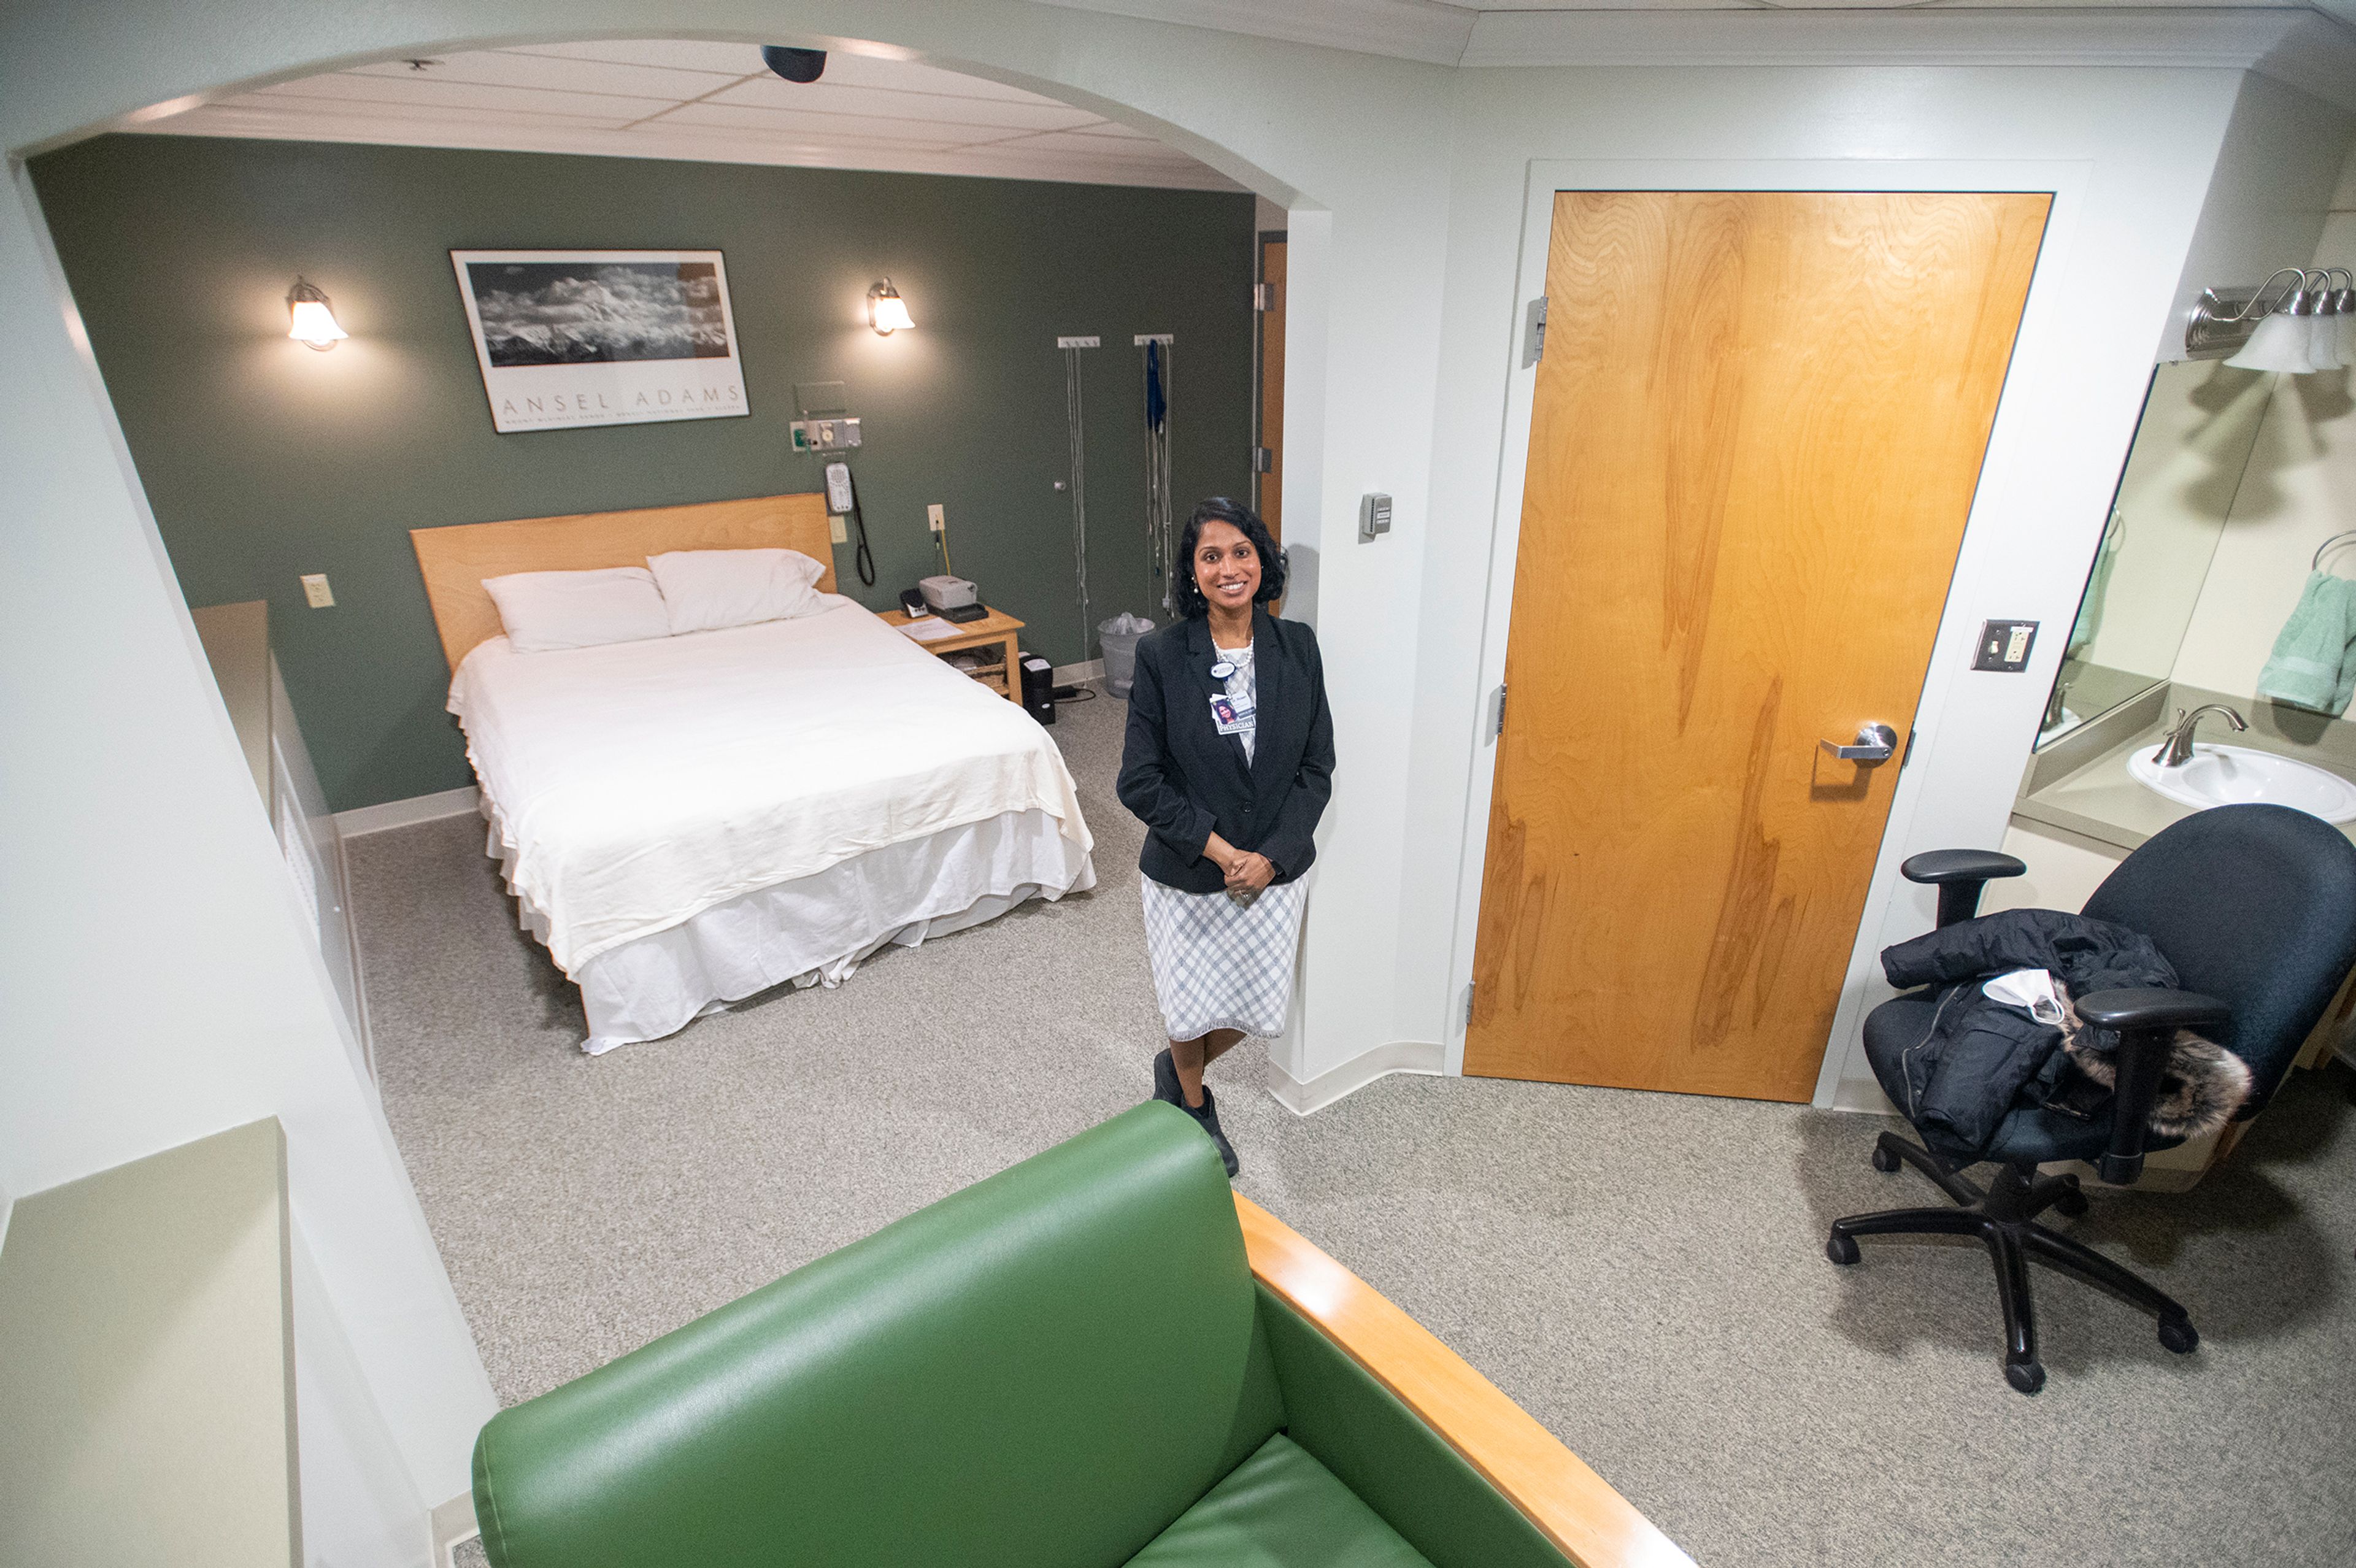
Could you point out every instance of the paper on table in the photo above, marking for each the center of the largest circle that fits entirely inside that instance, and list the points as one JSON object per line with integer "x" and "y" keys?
{"x": 929, "y": 630}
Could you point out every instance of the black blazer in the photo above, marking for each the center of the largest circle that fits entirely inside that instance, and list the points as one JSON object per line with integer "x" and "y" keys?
{"x": 1184, "y": 779}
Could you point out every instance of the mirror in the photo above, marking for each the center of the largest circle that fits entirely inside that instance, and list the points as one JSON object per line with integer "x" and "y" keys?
{"x": 2199, "y": 423}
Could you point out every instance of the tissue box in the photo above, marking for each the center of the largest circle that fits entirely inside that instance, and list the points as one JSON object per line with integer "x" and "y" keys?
{"x": 946, "y": 592}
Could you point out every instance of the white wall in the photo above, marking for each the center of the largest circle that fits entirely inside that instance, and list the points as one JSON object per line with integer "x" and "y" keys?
{"x": 2300, "y": 490}
{"x": 2189, "y": 449}
{"x": 158, "y": 980}
{"x": 2134, "y": 150}
{"x": 168, "y": 989}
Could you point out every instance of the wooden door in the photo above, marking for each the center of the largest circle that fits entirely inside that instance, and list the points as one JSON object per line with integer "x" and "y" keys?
{"x": 1757, "y": 427}
{"x": 1267, "y": 484}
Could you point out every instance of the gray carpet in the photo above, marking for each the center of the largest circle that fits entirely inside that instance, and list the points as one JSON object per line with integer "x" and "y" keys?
{"x": 1643, "y": 1273}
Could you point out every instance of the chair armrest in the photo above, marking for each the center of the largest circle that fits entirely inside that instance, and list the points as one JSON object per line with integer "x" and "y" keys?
{"x": 1959, "y": 875}
{"x": 1572, "y": 1506}
{"x": 2152, "y": 1007}
{"x": 2147, "y": 1019}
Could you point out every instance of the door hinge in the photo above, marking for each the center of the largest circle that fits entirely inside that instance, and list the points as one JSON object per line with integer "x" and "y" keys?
{"x": 1534, "y": 336}
{"x": 1263, "y": 460}
{"x": 1470, "y": 987}
{"x": 1263, "y": 296}
{"x": 1498, "y": 728}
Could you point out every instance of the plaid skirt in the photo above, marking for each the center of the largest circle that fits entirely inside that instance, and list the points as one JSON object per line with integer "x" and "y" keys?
{"x": 1221, "y": 964}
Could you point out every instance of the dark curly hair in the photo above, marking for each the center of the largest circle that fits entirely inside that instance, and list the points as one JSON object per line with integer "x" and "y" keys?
{"x": 1244, "y": 521}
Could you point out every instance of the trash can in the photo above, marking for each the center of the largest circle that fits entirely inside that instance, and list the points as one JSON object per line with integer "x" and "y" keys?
{"x": 1039, "y": 689}
{"x": 1119, "y": 638}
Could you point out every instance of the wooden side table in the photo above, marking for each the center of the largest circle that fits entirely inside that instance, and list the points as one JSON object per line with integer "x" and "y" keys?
{"x": 996, "y": 628}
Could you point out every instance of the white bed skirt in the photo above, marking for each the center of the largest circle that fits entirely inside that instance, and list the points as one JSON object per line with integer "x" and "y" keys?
{"x": 814, "y": 930}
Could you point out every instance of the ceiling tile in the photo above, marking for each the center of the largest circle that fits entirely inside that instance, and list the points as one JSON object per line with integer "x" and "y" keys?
{"x": 907, "y": 76}
{"x": 346, "y": 88}
{"x": 1116, "y": 149}
{"x": 491, "y": 68}
{"x": 327, "y": 113}
{"x": 678, "y": 54}
{"x": 790, "y": 123}
{"x": 767, "y": 143}
{"x": 1113, "y": 128}
{"x": 823, "y": 98}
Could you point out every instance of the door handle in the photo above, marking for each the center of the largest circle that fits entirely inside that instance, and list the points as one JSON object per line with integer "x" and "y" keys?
{"x": 1875, "y": 743}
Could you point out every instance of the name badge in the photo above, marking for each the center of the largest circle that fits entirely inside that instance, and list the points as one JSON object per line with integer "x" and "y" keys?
{"x": 1234, "y": 715}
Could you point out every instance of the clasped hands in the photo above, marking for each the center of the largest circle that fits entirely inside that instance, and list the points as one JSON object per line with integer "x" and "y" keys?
{"x": 1248, "y": 871}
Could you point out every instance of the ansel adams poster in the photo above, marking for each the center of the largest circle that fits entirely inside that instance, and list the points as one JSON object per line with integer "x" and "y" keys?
{"x": 584, "y": 337}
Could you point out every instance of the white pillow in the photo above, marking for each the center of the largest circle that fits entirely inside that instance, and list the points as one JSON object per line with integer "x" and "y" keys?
{"x": 543, "y": 611}
{"x": 704, "y": 589}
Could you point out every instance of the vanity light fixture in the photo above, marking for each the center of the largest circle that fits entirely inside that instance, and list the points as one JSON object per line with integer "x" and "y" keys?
{"x": 887, "y": 312}
{"x": 2297, "y": 320}
{"x": 310, "y": 319}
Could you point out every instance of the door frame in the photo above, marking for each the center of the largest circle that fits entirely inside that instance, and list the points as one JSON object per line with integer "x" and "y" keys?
{"x": 2036, "y": 341}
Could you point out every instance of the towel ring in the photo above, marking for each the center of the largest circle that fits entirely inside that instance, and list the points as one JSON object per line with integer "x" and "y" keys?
{"x": 2338, "y": 539}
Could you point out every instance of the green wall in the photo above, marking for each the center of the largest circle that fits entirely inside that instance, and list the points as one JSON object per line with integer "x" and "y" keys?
{"x": 265, "y": 460}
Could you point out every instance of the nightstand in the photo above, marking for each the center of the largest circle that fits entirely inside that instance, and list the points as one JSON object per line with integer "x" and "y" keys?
{"x": 996, "y": 629}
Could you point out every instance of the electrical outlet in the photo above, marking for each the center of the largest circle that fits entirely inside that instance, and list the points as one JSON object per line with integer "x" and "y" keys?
{"x": 933, "y": 516}
{"x": 837, "y": 531}
{"x": 315, "y": 590}
{"x": 2004, "y": 645}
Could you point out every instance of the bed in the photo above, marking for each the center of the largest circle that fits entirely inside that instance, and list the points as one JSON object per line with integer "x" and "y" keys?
{"x": 686, "y": 821}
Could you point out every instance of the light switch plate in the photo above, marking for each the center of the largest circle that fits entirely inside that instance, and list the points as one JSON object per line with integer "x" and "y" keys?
{"x": 835, "y": 530}
{"x": 317, "y": 591}
{"x": 2004, "y": 645}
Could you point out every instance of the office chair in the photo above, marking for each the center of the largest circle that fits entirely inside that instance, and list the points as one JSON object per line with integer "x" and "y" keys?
{"x": 2255, "y": 908}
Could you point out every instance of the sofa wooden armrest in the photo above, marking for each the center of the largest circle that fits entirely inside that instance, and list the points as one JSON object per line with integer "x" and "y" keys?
{"x": 1572, "y": 1506}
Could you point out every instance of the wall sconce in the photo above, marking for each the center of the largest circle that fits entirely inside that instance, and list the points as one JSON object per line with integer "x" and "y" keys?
{"x": 2304, "y": 324}
{"x": 309, "y": 318}
{"x": 887, "y": 312}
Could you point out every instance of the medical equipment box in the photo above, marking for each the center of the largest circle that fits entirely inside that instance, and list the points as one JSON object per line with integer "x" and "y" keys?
{"x": 947, "y": 593}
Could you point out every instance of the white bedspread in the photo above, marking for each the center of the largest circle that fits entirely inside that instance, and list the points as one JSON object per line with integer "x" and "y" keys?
{"x": 634, "y": 785}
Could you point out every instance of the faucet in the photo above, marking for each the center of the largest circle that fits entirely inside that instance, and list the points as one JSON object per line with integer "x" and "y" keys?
{"x": 2178, "y": 750}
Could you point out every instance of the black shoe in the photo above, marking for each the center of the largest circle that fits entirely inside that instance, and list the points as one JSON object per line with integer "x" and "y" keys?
{"x": 1207, "y": 1113}
{"x": 1165, "y": 1080}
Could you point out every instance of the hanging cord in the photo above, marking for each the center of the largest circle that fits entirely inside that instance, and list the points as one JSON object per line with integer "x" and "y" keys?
{"x": 862, "y": 557}
{"x": 1075, "y": 418}
{"x": 1157, "y": 386}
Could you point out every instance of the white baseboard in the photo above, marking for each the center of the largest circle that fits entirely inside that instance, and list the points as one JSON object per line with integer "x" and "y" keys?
{"x": 1425, "y": 1057}
{"x": 1073, "y": 674}
{"x": 453, "y": 1525}
{"x": 402, "y": 813}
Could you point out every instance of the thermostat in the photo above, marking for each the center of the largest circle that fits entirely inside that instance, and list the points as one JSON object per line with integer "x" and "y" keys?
{"x": 2004, "y": 645}
{"x": 1374, "y": 516}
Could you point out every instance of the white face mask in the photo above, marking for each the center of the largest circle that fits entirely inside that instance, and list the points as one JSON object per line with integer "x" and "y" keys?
{"x": 2028, "y": 988}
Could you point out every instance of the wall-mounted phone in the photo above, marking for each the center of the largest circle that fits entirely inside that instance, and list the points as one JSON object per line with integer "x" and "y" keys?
{"x": 842, "y": 501}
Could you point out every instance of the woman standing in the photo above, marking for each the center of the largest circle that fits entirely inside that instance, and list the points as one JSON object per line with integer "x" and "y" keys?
{"x": 1228, "y": 761}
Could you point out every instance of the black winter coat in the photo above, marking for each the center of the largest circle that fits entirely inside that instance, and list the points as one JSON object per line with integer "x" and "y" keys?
{"x": 1980, "y": 1056}
{"x": 1185, "y": 780}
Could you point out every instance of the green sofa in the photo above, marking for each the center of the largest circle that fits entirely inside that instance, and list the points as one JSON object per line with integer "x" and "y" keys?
{"x": 1067, "y": 1364}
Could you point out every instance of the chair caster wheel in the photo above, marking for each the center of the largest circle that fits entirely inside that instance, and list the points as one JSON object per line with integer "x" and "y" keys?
{"x": 1883, "y": 1160}
{"x": 2026, "y": 1376}
{"x": 2072, "y": 1203}
{"x": 1843, "y": 1249}
{"x": 2178, "y": 1335}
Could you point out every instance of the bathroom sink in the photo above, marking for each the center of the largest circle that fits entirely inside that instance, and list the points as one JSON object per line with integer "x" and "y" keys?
{"x": 2229, "y": 776}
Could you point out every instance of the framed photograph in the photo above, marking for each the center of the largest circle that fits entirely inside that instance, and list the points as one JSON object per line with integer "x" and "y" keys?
{"x": 587, "y": 337}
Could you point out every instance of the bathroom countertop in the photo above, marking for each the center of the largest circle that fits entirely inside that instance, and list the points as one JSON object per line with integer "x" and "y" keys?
{"x": 2099, "y": 800}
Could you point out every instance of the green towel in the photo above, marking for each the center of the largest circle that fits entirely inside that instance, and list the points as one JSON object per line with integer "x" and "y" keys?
{"x": 2314, "y": 664}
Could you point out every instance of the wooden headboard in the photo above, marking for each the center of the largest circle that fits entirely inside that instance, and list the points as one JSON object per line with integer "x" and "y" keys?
{"x": 455, "y": 559}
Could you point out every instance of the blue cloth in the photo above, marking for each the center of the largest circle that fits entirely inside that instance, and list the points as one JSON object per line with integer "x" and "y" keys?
{"x": 2313, "y": 665}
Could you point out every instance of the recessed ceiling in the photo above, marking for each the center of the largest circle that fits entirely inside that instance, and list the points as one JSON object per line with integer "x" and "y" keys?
{"x": 707, "y": 103}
